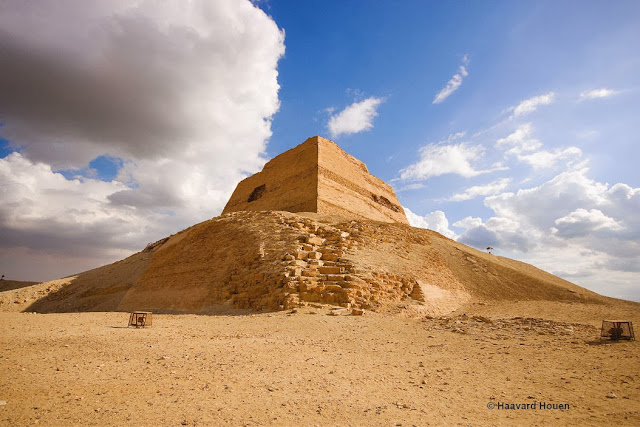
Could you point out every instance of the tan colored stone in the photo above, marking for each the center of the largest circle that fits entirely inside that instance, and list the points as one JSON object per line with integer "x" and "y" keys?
{"x": 317, "y": 176}
{"x": 294, "y": 270}
{"x": 329, "y": 257}
{"x": 330, "y": 270}
{"x": 314, "y": 240}
{"x": 310, "y": 273}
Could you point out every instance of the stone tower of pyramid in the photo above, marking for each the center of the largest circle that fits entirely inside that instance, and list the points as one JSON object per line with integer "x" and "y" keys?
{"x": 318, "y": 176}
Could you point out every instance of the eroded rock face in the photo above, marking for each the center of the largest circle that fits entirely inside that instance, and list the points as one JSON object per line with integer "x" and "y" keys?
{"x": 266, "y": 261}
{"x": 278, "y": 260}
{"x": 318, "y": 176}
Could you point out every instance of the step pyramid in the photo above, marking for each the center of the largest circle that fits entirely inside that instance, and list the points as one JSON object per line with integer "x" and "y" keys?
{"x": 318, "y": 176}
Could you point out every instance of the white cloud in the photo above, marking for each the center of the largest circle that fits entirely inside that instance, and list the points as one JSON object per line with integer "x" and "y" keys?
{"x": 436, "y": 221}
{"x": 571, "y": 225}
{"x": 481, "y": 190}
{"x": 530, "y": 105}
{"x": 544, "y": 159}
{"x": 520, "y": 140}
{"x": 468, "y": 222}
{"x": 42, "y": 210}
{"x": 526, "y": 149}
{"x": 357, "y": 117}
{"x": 455, "y": 82}
{"x": 582, "y": 222}
{"x": 410, "y": 187}
{"x": 598, "y": 93}
{"x": 439, "y": 159}
{"x": 182, "y": 93}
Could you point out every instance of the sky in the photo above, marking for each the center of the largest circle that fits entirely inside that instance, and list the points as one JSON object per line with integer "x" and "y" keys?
{"x": 506, "y": 124}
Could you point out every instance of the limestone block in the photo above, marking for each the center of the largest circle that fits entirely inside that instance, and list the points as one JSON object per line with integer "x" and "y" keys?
{"x": 350, "y": 285}
{"x": 330, "y": 270}
{"x": 330, "y": 257}
{"x": 332, "y": 287}
{"x": 294, "y": 270}
{"x": 314, "y": 240}
{"x": 310, "y": 273}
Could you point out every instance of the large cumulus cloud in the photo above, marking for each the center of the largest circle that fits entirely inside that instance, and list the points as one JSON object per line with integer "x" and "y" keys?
{"x": 181, "y": 92}
{"x": 572, "y": 225}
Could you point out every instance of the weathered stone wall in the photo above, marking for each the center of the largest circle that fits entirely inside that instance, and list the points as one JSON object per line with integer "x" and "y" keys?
{"x": 288, "y": 182}
{"x": 318, "y": 176}
{"x": 346, "y": 188}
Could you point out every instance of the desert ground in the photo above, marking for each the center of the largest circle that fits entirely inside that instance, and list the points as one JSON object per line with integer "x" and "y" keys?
{"x": 252, "y": 326}
{"x": 309, "y": 367}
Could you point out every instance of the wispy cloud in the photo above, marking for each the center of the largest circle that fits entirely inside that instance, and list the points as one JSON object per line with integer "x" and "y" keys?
{"x": 438, "y": 159}
{"x": 454, "y": 83}
{"x": 357, "y": 117}
{"x": 411, "y": 187}
{"x": 598, "y": 93}
{"x": 530, "y": 105}
{"x": 527, "y": 149}
{"x": 520, "y": 141}
{"x": 481, "y": 190}
{"x": 544, "y": 159}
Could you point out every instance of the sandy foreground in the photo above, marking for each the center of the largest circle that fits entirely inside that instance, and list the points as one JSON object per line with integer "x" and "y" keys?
{"x": 311, "y": 368}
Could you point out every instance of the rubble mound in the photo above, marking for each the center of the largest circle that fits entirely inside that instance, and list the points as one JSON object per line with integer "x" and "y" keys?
{"x": 276, "y": 260}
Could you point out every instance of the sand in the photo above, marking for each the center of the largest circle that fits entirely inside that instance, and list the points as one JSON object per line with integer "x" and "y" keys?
{"x": 450, "y": 335}
{"x": 311, "y": 368}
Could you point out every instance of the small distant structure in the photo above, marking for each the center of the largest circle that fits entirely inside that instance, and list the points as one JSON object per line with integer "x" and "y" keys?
{"x": 140, "y": 319}
{"x": 2, "y": 278}
{"x": 489, "y": 249}
{"x": 617, "y": 330}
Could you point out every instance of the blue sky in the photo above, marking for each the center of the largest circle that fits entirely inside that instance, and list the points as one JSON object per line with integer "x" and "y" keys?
{"x": 406, "y": 53}
{"x": 510, "y": 124}
{"x": 339, "y": 52}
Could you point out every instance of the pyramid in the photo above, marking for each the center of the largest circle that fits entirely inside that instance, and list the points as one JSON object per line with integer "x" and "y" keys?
{"x": 318, "y": 176}
{"x": 313, "y": 227}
